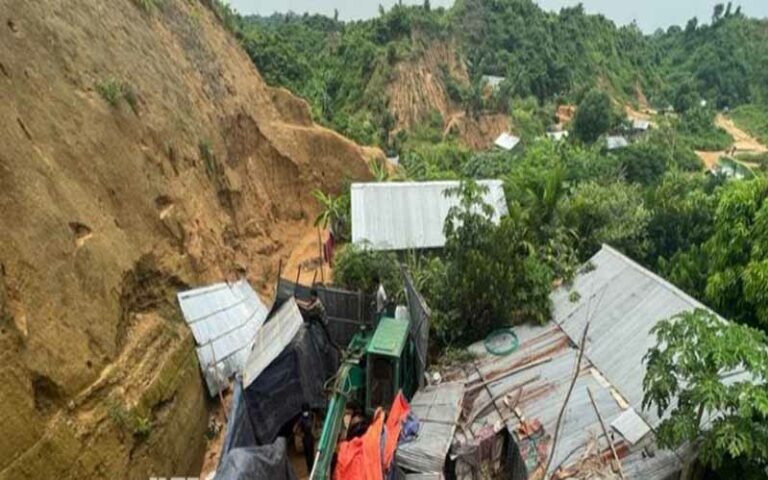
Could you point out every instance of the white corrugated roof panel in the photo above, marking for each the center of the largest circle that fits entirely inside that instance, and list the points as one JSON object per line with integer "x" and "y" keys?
{"x": 493, "y": 81}
{"x": 616, "y": 142}
{"x": 639, "y": 124}
{"x": 557, "y": 136}
{"x": 410, "y": 215}
{"x": 437, "y": 408}
{"x": 507, "y": 141}
{"x": 271, "y": 340}
{"x": 224, "y": 319}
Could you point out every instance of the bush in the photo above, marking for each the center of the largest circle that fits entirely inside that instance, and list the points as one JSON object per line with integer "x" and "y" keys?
{"x": 594, "y": 116}
{"x": 355, "y": 268}
{"x": 492, "y": 277}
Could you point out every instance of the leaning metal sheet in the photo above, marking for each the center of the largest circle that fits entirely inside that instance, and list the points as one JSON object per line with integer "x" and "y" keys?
{"x": 272, "y": 339}
{"x": 224, "y": 319}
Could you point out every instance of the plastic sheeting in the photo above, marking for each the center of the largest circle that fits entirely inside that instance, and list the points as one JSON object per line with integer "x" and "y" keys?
{"x": 296, "y": 376}
{"x": 419, "y": 313}
{"x": 250, "y": 463}
{"x": 239, "y": 431}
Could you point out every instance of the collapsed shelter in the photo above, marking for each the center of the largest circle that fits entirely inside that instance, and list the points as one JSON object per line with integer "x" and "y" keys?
{"x": 511, "y": 403}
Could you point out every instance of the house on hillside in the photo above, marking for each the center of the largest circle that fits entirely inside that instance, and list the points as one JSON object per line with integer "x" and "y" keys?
{"x": 640, "y": 126}
{"x": 513, "y": 401}
{"x": 410, "y": 215}
{"x": 492, "y": 82}
{"x": 507, "y": 141}
{"x": 558, "y": 136}
{"x": 616, "y": 142}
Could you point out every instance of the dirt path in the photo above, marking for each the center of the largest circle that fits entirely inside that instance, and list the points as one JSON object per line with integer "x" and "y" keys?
{"x": 742, "y": 141}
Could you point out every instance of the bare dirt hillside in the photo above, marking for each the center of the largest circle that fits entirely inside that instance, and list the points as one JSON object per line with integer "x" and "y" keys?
{"x": 418, "y": 89}
{"x": 742, "y": 142}
{"x": 141, "y": 153}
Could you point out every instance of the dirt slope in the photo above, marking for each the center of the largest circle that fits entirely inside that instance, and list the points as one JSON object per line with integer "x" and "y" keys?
{"x": 198, "y": 171}
{"x": 418, "y": 89}
{"x": 742, "y": 142}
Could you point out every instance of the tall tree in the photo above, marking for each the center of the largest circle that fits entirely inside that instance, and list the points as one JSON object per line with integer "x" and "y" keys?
{"x": 706, "y": 379}
{"x": 594, "y": 116}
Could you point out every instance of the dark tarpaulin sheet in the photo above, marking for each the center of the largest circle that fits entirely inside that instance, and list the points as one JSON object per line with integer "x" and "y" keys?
{"x": 346, "y": 311}
{"x": 268, "y": 462}
{"x": 239, "y": 431}
{"x": 419, "y": 332}
{"x": 296, "y": 376}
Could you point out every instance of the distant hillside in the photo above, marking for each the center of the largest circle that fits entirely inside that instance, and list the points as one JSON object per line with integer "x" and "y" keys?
{"x": 350, "y": 72}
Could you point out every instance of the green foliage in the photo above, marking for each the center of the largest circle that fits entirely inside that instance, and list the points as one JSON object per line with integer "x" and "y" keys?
{"x": 128, "y": 420}
{"x": 594, "y": 116}
{"x": 753, "y": 119}
{"x": 113, "y": 90}
{"x": 469, "y": 306}
{"x": 149, "y": 6}
{"x": 334, "y": 213}
{"x": 698, "y": 129}
{"x": 737, "y": 283}
{"x": 110, "y": 90}
{"x": 355, "y": 268}
{"x": 687, "y": 379}
{"x": 614, "y": 214}
{"x": 682, "y": 215}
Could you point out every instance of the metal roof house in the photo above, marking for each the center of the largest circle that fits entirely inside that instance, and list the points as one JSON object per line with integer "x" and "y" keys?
{"x": 506, "y": 141}
{"x": 616, "y": 142}
{"x": 410, "y": 215}
{"x": 557, "y": 136}
{"x": 640, "y": 125}
{"x": 622, "y": 301}
{"x": 224, "y": 319}
{"x": 493, "y": 81}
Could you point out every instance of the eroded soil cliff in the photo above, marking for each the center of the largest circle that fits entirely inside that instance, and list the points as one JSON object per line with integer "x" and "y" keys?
{"x": 140, "y": 153}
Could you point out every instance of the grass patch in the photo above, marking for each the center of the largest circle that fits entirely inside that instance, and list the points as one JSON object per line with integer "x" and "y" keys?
{"x": 110, "y": 90}
{"x": 148, "y": 6}
{"x": 753, "y": 119}
{"x": 113, "y": 90}
{"x": 129, "y": 421}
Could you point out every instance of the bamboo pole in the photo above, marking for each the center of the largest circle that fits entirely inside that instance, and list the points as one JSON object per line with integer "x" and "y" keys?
{"x": 605, "y": 432}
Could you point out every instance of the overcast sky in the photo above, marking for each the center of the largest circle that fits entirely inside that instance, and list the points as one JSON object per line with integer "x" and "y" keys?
{"x": 649, "y": 14}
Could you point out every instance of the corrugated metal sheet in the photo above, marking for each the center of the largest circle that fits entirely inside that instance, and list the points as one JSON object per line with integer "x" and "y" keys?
{"x": 616, "y": 142}
{"x": 410, "y": 215}
{"x": 641, "y": 125}
{"x": 624, "y": 301}
{"x": 557, "y": 136}
{"x": 271, "y": 340}
{"x": 438, "y": 408}
{"x": 224, "y": 319}
{"x": 507, "y": 141}
{"x": 492, "y": 81}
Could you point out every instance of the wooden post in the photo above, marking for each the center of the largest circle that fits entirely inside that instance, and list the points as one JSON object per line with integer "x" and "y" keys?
{"x": 320, "y": 250}
{"x": 298, "y": 276}
{"x": 605, "y": 432}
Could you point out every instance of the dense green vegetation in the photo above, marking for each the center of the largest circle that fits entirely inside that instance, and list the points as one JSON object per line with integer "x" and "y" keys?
{"x": 344, "y": 68}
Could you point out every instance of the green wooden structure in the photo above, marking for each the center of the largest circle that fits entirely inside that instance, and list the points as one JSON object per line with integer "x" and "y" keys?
{"x": 376, "y": 366}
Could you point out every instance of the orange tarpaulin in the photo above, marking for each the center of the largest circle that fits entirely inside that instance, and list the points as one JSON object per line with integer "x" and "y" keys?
{"x": 397, "y": 414}
{"x": 360, "y": 458}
